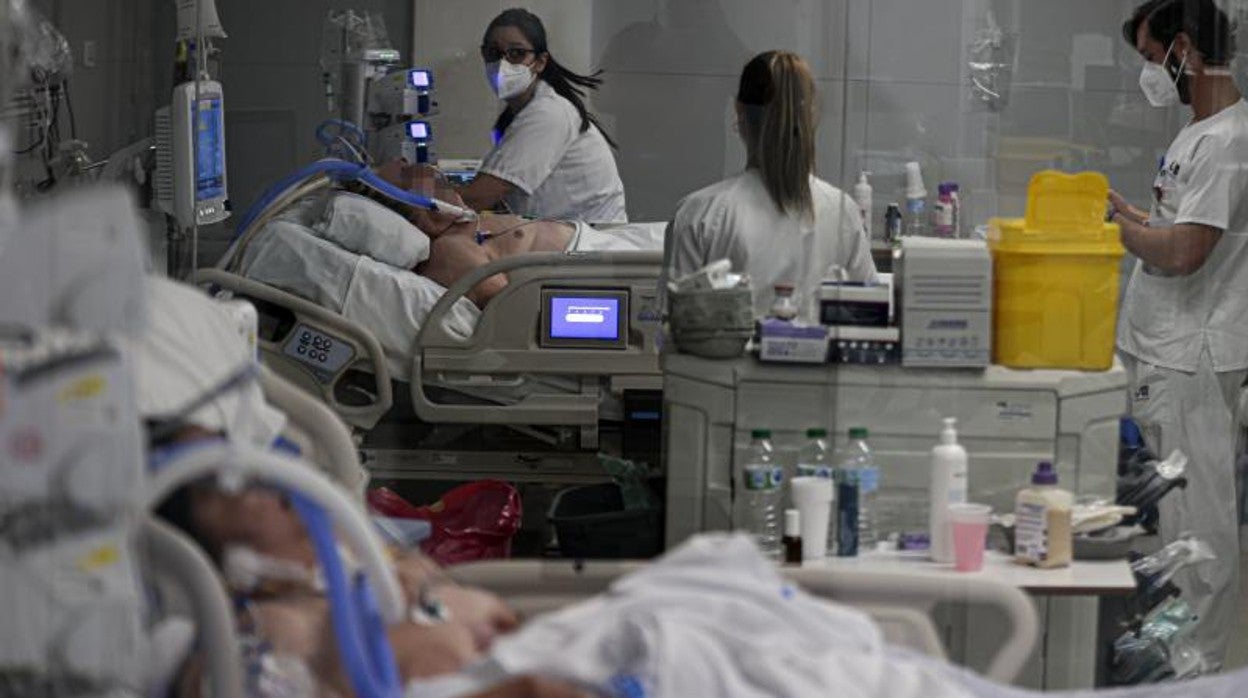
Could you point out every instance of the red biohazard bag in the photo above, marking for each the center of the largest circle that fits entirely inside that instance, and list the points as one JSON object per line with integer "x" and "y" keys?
{"x": 471, "y": 522}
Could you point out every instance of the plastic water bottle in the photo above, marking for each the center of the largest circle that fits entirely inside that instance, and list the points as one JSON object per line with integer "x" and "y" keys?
{"x": 762, "y": 479}
{"x": 815, "y": 460}
{"x": 859, "y": 463}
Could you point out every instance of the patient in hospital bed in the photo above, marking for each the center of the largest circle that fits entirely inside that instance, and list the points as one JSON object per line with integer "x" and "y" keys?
{"x": 712, "y": 618}
{"x": 365, "y": 260}
{"x": 457, "y": 248}
{"x": 192, "y": 348}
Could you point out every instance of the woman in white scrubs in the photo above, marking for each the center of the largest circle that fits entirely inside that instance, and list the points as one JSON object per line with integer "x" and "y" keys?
{"x": 551, "y": 158}
{"x": 776, "y": 221}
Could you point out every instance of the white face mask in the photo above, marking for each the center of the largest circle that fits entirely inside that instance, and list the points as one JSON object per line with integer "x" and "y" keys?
{"x": 1159, "y": 88}
{"x": 508, "y": 79}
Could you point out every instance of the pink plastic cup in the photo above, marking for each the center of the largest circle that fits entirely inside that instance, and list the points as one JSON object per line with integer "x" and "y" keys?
{"x": 970, "y": 534}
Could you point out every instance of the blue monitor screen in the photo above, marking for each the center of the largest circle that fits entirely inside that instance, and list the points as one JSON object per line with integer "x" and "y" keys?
{"x": 418, "y": 130}
{"x": 210, "y": 161}
{"x": 419, "y": 78}
{"x": 573, "y": 317}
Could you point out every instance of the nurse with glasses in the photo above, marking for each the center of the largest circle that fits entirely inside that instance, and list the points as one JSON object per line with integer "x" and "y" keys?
{"x": 551, "y": 158}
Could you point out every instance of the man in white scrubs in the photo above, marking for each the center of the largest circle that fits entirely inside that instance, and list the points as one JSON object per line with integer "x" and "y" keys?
{"x": 1183, "y": 332}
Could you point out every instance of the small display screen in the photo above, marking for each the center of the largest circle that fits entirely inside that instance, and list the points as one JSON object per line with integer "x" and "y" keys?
{"x": 419, "y": 78}
{"x": 573, "y": 317}
{"x": 418, "y": 130}
{"x": 210, "y": 160}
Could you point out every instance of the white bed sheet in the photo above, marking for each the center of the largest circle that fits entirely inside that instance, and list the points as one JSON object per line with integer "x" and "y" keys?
{"x": 390, "y": 302}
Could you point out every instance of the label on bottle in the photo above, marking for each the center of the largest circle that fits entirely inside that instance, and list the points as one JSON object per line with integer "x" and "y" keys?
{"x": 847, "y": 517}
{"x": 763, "y": 477}
{"x": 868, "y": 479}
{"x": 957, "y": 488}
{"x": 814, "y": 470}
{"x": 1031, "y": 532}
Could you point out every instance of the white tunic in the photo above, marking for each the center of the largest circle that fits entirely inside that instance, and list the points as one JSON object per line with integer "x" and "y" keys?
{"x": 1168, "y": 320}
{"x": 557, "y": 170}
{"x": 737, "y": 220}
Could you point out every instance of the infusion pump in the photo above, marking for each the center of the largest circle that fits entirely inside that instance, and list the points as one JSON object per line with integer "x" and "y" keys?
{"x": 190, "y": 178}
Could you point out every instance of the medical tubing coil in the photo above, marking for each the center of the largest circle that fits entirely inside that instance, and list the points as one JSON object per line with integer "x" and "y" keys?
{"x": 290, "y": 474}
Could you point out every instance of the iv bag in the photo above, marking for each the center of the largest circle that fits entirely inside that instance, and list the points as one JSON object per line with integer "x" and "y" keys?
{"x": 208, "y": 21}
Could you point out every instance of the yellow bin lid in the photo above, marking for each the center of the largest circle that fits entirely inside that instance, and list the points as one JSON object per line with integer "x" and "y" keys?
{"x": 1065, "y": 215}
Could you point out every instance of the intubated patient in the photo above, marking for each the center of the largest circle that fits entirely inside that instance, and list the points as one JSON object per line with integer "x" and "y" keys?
{"x": 189, "y": 350}
{"x": 287, "y": 610}
{"x": 459, "y": 247}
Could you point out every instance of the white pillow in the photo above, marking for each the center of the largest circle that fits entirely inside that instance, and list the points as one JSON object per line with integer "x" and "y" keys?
{"x": 363, "y": 226}
{"x": 191, "y": 345}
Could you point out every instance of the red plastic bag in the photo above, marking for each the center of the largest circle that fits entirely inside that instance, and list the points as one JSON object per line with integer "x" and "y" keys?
{"x": 471, "y": 522}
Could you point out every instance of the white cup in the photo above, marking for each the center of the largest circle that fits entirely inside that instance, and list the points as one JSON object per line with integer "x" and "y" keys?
{"x": 813, "y": 498}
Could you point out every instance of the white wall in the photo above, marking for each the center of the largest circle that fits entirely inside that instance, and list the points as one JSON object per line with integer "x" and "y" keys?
{"x": 893, "y": 81}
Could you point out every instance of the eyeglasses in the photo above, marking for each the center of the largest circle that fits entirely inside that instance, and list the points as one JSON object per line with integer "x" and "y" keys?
{"x": 514, "y": 54}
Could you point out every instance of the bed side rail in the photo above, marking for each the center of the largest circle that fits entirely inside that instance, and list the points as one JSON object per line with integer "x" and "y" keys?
{"x": 329, "y": 441}
{"x": 317, "y": 350}
{"x": 506, "y": 338}
{"x": 892, "y": 599}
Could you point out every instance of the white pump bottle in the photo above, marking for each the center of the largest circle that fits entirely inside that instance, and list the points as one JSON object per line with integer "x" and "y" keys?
{"x": 862, "y": 197}
{"x": 948, "y": 486}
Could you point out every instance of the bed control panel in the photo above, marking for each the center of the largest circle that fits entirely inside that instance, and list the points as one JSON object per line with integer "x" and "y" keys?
{"x": 584, "y": 318}
{"x": 320, "y": 351}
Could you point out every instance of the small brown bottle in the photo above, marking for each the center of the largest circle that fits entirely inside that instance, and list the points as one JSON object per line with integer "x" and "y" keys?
{"x": 792, "y": 541}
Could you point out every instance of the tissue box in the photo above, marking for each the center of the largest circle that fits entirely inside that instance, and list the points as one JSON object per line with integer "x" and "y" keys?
{"x": 788, "y": 342}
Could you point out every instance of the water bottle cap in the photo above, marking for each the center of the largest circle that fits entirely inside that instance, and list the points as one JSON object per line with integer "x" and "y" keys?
{"x": 1045, "y": 474}
{"x": 760, "y": 434}
{"x": 817, "y": 433}
{"x": 857, "y": 433}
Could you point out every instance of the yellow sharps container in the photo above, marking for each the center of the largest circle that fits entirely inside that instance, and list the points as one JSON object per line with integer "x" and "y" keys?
{"x": 1055, "y": 302}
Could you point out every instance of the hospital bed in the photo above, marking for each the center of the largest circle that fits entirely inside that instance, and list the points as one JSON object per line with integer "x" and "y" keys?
{"x": 437, "y": 386}
{"x": 900, "y": 604}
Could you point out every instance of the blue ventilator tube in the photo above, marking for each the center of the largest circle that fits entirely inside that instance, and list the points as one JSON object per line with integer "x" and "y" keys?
{"x": 344, "y": 170}
{"x": 358, "y": 627}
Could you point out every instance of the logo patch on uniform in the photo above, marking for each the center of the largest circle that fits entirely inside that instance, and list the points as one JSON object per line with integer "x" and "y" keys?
{"x": 1174, "y": 169}
{"x": 1141, "y": 393}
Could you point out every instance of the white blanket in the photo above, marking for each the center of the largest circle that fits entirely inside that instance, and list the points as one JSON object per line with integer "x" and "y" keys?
{"x": 713, "y": 618}
{"x": 389, "y": 302}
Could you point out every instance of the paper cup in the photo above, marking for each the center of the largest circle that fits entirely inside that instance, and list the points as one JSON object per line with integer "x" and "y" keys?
{"x": 812, "y": 496}
{"x": 969, "y": 524}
